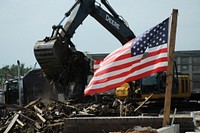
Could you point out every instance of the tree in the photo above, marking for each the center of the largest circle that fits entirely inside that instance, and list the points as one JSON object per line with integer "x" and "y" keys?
{"x": 7, "y": 71}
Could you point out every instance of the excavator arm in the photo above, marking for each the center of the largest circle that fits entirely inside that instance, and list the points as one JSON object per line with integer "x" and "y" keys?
{"x": 113, "y": 23}
{"x": 57, "y": 55}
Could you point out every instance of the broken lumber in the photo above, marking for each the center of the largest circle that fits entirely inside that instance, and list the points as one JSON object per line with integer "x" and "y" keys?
{"x": 11, "y": 123}
{"x": 37, "y": 109}
{"x": 146, "y": 99}
{"x": 32, "y": 103}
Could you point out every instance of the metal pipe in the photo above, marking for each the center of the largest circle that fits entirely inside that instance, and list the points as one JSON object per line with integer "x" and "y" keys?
{"x": 173, "y": 117}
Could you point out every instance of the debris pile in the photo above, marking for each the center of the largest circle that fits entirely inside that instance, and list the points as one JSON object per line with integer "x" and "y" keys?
{"x": 48, "y": 114}
{"x": 34, "y": 117}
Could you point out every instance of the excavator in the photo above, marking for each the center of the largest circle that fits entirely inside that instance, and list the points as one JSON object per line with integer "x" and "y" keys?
{"x": 66, "y": 67}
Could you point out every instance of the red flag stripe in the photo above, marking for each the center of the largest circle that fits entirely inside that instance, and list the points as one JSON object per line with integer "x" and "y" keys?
{"x": 109, "y": 58}
{"x": 127, "y": 62}
{"x": 121, "y": 66}
{"x": 117, "y": 84}
{"x": 97, "y": 64}
{"x": 124, "y": 79}
{"x": 127, "y": 58}
{"x": 120, "y": 50}
{"x": 139, "y": 68}
{"x": 133, "y": 70}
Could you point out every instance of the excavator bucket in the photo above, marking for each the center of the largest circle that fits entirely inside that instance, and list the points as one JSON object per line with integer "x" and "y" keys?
{"x": 63, "y": 65}
{"x": 51, "y": 55}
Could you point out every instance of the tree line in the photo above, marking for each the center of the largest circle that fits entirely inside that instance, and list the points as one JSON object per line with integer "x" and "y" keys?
{"x": 11, "y": 72}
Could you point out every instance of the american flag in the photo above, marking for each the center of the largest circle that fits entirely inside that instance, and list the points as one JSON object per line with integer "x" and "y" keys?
{"x": 97, "y": 64}
{"x": 138, "y": 58}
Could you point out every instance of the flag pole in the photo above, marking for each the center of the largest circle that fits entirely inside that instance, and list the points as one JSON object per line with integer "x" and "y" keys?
{"x": 169, "y": 80}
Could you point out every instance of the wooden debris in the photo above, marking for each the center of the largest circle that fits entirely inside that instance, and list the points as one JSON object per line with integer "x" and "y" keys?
{"x": 11, "y": 123}
{"x": 69, "y": 106}
{"x": 27, "y": 117}
{"x": 20, "y": 123}
{"x": 38, "y": 125}
{"x": 41, "y": 118}
{"x": 56, "y": 124}
{"x": 38, "y": 116}
{"x": 146, "y": 99}
{"x": 32, "y": 103}
{"x": 37, "y": 109}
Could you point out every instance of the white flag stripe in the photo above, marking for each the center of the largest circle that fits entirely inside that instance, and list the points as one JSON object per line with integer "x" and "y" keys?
{"x": 113, "y": 56}
{"x": 144, "y": 57}
{"x": 114, "y": 73}
{"x": 117, "y": 63}
{"x": 131, "y": 59}
{"x": 121, "y": 62}
{"x": 124, "y": 49}
{"x": 120, "y": 79}
{"x": 96, "y": 66}
{"x": 158, "y": 48}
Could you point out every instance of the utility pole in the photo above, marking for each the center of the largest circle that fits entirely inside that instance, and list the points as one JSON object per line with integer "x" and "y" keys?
{"x": 19, "y": 85}
{"x": 169, "y": 80}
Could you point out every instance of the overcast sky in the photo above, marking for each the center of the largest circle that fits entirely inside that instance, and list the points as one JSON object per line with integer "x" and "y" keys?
{"x": 23, "y": 22}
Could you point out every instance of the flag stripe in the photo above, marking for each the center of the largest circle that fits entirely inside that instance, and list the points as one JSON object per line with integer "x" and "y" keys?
{"x": 114, "y": 55}
{"x": 97, "y": 64}
{"x": 130, "y": 62}
{"x": 117, "y": 83}
{"x": 134, "y": 74}
{"x": 120, "y": 50}
{"x": 136, "y": 70}
{"x": 127, "y": 62}
{"x": 127, "y": 58}
{"x": 120, "y": 70}
{"x": 121, "y": 54}
{"x": 118, "y": 76}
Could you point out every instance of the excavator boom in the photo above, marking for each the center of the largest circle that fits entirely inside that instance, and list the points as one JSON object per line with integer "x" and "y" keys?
{"x": 57, "y": 55}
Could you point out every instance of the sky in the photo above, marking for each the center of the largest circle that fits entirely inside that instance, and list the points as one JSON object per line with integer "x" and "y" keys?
{"x": 24, "y": 22}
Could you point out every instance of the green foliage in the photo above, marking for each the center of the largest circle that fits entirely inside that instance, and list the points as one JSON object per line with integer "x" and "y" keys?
{"x": 12, "y": 71}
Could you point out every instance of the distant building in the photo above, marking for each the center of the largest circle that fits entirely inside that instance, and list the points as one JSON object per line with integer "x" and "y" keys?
{"x": 188, "y": 62}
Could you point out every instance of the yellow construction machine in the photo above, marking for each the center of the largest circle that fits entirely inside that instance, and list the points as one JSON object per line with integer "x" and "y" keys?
{"x": 155, "y": 84}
